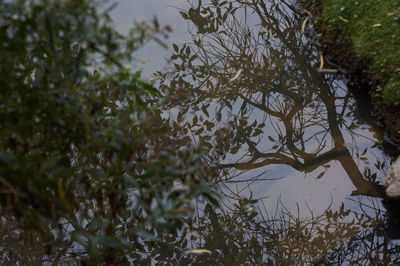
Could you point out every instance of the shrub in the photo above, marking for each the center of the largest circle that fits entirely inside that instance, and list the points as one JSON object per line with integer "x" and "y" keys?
{"x": 84, "y": 149}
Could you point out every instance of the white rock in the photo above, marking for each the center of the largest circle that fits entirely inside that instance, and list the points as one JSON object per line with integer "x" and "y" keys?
{"x": 392, "y": 180}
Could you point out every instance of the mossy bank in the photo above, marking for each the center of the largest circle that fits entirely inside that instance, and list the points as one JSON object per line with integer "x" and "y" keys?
{"x": 363, "y": 37}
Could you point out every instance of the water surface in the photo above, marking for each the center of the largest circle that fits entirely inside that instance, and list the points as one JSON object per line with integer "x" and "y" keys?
{"x": 298, "y": 162}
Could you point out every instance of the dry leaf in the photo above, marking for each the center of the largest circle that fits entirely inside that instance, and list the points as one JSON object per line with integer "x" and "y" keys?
{"x": 308, "y": 12}
{"x": 321, "y": 65}
{"x": 237, "y": 75}
{"x": 377, "y": 25}
{"x": 377, "y": 136}
{"x": 153, "y": 78}
{"x": 198, "y": 251}
{"x": 320, "y": 175}
{"x": 304, "y": 25}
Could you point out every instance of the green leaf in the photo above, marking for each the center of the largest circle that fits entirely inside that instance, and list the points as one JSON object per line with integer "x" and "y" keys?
{"x": 176, "y": 49}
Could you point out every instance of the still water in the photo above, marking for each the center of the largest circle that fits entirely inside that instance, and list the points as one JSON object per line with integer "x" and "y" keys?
{"x": 298, "y": 159}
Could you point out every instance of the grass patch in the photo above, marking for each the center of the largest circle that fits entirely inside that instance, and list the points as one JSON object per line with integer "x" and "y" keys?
{"x": 373, "y": 27}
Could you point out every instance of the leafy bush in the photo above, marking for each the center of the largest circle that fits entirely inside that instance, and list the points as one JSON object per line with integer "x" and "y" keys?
{"x": 84, "y": 148}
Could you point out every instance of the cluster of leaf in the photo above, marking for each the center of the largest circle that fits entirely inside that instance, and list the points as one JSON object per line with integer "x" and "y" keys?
{"x": 83, "y": 144}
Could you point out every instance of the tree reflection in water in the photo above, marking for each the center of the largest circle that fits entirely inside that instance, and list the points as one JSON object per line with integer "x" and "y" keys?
{"x": 249, "y": 89}
{"x": 238, "y": 236}
{"x": 279, "y": 111}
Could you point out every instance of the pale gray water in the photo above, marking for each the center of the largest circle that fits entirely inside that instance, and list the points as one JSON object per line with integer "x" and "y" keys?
{"x": 294, "y": 143}
{"x": 128, "y": 11}
{"x": 294, "y": 187}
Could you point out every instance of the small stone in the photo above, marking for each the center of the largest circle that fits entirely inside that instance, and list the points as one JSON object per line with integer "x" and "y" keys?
{"x": 392, "y": 180}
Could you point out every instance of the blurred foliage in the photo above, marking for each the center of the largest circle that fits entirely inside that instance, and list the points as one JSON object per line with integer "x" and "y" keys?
{"x": 84, "y": 150}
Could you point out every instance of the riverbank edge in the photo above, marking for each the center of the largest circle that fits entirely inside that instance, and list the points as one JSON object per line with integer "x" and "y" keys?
{"x": 338, "y": 51}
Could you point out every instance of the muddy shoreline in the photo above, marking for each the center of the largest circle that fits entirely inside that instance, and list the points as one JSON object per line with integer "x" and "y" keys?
{"x": 359, "y": 78}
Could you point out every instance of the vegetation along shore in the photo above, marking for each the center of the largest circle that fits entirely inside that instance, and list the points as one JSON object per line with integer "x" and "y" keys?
{"x": 363, "y": 38}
